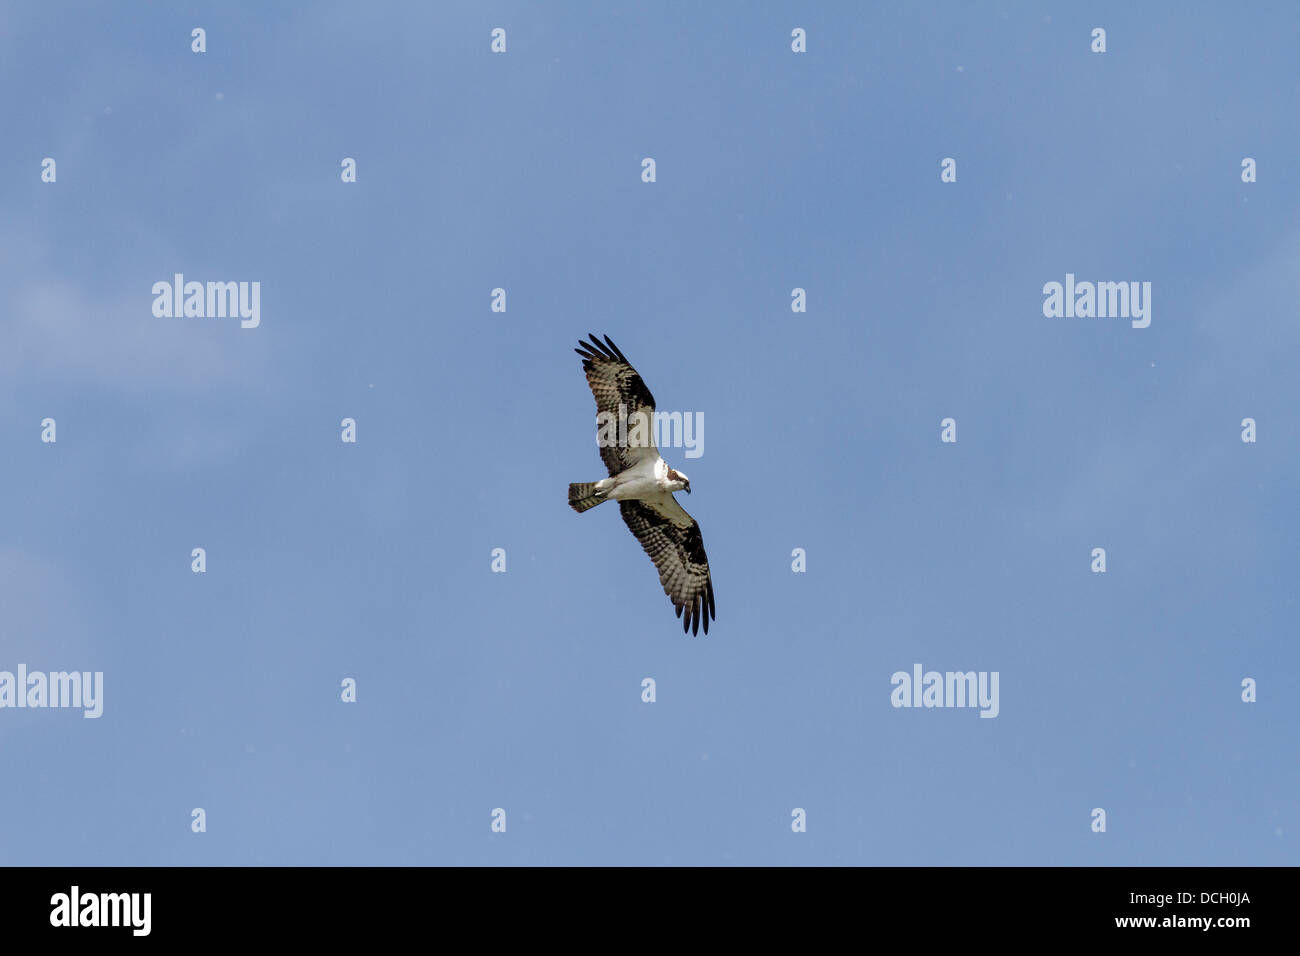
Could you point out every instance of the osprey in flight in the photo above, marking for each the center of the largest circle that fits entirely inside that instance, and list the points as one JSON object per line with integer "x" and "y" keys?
{"x": 643, "y": 483}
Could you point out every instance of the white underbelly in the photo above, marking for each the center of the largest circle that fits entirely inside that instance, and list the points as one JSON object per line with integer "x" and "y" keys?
{"x": 638, "y": 487}
{"x": 637, "y": 483}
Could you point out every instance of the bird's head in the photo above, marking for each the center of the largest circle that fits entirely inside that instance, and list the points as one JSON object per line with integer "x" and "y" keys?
{"x": 678, "y": 482}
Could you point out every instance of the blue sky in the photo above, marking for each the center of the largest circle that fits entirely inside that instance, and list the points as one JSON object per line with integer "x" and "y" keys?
{"x": 522, "y": 690}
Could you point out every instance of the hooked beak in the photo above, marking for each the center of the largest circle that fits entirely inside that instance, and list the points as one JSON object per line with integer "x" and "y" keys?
{"x": 688, "y": 487}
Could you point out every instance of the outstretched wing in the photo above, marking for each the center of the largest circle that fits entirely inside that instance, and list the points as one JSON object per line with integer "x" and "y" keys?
{"x": 615, "y": 382}
{"x": 672, "y": 539}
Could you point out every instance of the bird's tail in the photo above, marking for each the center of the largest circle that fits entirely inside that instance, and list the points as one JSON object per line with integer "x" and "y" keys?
{"x": 584, "y": 495}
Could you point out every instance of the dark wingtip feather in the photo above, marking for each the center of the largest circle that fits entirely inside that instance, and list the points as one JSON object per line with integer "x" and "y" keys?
{"x": 597, "y": 349}
{"x": 618, "y": 352}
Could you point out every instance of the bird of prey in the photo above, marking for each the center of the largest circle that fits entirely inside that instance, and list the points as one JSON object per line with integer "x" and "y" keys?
{"x": 643, "y": 483}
